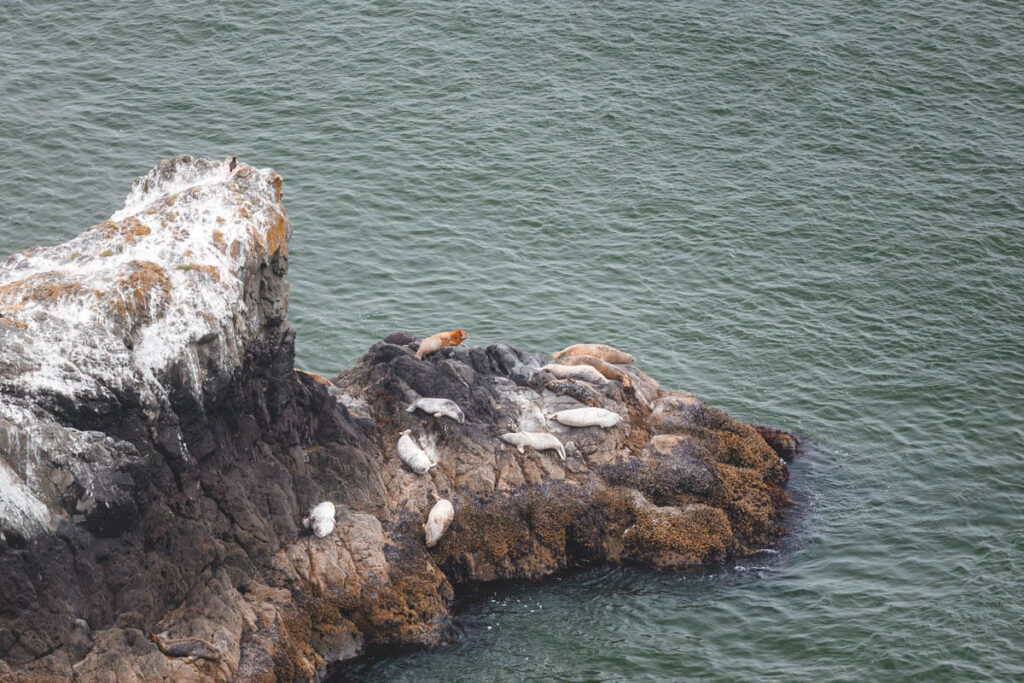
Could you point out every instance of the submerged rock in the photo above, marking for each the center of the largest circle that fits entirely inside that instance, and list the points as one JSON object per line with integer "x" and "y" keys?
{"x": 157, "y": 449}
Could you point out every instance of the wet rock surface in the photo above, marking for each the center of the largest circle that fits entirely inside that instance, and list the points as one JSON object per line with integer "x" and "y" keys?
{"x": 160, "y": 488}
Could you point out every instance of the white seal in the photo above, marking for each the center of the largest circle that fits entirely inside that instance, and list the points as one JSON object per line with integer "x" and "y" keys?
{"x": 588, "y": 417}
{"x": 438, "y": 407}
{"x": 587, "y": 373}
{"x": 538, "y": 441}
{"x": 320, "y": 519}
{"x": 440, "y": 517}
{"x": 414, "y": 457}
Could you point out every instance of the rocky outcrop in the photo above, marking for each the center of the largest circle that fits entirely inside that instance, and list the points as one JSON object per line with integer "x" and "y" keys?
{"x": 158, "y": 453}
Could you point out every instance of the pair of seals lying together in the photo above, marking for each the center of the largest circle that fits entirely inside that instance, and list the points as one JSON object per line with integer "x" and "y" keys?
{"x": 575, "y": 417}
{"x": 590, "y": 363}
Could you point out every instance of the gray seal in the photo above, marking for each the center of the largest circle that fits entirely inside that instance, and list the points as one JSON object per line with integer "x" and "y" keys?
{"x": 438, "y": 407}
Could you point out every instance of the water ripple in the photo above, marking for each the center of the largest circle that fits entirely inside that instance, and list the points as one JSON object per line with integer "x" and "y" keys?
{"x": 811, "y": 215}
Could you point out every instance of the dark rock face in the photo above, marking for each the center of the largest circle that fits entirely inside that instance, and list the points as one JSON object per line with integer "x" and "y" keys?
{"x": 155, "y": 464}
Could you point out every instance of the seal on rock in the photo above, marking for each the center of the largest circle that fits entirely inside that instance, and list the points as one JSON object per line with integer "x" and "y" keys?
{"x": 414, "y": 457}
{"x": 584, "y": 393}
{"x": 438, "y": 407}
{"x": 588, "y": 417}
{"x": 320, "y": 519}
{"x": 602, "y": 351}
{"x": 587, "y": 373}
{"x": 606, "y": 369}
{"x": 436, "y": 342}
{"x": 192, "y": 648}
{"x": 440, "y": 516}
{"x": 538, "y": 441}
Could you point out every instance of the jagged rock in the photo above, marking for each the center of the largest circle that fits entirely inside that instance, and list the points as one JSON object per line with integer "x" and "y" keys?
{"x": 158, "y": 452}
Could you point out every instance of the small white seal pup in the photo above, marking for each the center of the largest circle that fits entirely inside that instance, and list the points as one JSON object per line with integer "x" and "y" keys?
{"x": 440, "y": 517}
{"x": 588, "y": 417}
{"x": 320, "y": 519}
{"x": 414, "y": 457}
{"x": 602, "y": 351}
{"x": 587, "y": 373}
{"x": 438, "y": 407}
{"x": 538, "y": 441}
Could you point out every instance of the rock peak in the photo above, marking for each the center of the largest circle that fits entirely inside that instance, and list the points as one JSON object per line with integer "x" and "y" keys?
{"x": 162, "y": 299}
{"x": 129, "y": 297}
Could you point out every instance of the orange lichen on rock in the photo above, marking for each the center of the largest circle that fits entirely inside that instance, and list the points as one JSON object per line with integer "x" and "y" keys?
{"x": 212, "y": 271}
{"x": 277, "y": 234}
{"x": 42, "y": 288}
{"x": 140, "y": 295}
{"x": 128, "y": 230}
{"x": 218, "y": 238}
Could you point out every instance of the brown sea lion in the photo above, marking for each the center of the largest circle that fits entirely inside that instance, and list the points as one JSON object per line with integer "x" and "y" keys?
{"x": 436, "y": 342}
{"x": 602, "y": 351}
{"x": 584, "y": 393}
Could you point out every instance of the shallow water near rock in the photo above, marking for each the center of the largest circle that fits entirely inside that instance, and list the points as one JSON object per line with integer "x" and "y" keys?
{"x": 810, "y": 216}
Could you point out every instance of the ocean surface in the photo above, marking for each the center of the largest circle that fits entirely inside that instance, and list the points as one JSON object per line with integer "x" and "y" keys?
{"x": 809, "y": 213}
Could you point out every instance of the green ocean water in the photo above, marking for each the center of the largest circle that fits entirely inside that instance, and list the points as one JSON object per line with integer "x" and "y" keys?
{"x": 810, "y": 213}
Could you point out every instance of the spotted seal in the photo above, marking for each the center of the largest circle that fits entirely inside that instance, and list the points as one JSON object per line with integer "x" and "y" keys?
{"x": 192, "y": 648}
{"x": 538, "y": 441}
{"x": 602, "y": 351}
{"x": 584, "y": 393}
{"x": 606, "y": 369}
{"x": 585, "y": 372}
{"x": 438, "y": 407}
